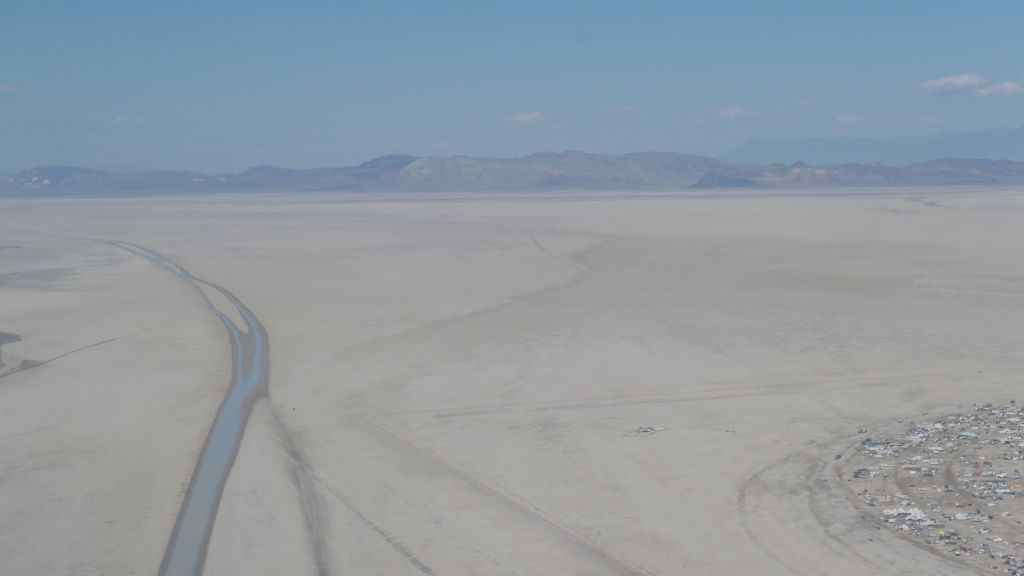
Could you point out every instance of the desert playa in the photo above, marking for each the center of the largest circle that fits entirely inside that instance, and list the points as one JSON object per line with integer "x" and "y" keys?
{"x": 465, "y": 384}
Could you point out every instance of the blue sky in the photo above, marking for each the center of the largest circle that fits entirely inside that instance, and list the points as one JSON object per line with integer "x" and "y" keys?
{"x": 219, "y": 86}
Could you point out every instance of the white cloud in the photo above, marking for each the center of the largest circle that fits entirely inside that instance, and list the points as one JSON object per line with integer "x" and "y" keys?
{"x": 955, "y": 83}
{"x": 128, "y": 120}
{"x": 524, "y": 118}
{"x": 730, "y": 112}
{"x": 975, "y": 84}
{"x": 850, "y": 119}
{"x": 930, "y": 120}
{"x": 806, "y": 102}
{"x": 4, "y": 88}
{"x": 1001, "y": 89}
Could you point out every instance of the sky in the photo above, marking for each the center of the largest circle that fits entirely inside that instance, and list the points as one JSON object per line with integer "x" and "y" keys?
{"x": 218, "y": 86}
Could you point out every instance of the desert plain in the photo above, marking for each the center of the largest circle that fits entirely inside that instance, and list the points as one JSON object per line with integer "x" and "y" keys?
{"x": 457, "y": 380}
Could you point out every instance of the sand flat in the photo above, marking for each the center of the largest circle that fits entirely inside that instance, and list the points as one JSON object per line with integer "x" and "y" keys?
{"x": 99, "y": 440}
{"x": 454, "y": 378}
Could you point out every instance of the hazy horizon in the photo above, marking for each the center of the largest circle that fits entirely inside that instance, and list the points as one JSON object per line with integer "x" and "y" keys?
{"x": 218, "y": 89}
{"x": 811, "y": 151}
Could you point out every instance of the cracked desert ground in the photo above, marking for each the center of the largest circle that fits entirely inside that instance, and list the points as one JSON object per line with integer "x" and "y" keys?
{"x": 454, "y": 378}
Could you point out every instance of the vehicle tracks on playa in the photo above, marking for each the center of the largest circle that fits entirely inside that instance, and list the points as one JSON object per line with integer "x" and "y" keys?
{"x": 624, "y": 566}
{"x": 794, "y": 485}
{"x": 30, "y": 364}
{"x": 250, "y": 350}
{"x": 800, "y": 512}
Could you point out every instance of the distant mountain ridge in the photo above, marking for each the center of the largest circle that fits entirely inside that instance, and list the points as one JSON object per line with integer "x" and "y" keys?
{"x": 1006, "y": 143}
{"x": 653, "y": 171}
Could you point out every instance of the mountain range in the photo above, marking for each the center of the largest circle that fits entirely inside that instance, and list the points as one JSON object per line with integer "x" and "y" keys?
{"x": 653, "y": 171}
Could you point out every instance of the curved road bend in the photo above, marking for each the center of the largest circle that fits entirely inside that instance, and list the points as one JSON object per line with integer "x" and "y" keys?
{"x": 186, "y": 550}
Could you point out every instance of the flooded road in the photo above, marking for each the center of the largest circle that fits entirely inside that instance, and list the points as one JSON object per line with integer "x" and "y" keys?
{"x": 186, "y": 550}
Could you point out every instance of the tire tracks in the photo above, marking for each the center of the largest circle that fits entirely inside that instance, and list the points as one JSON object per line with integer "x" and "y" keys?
{"x": 186, "y": 551}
